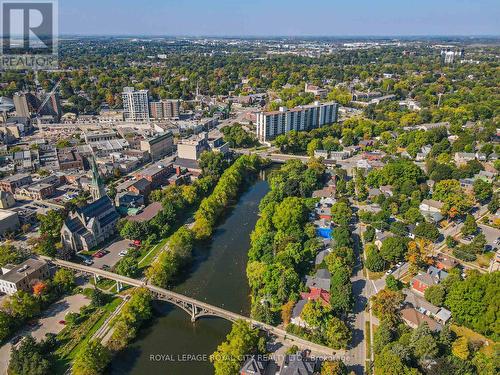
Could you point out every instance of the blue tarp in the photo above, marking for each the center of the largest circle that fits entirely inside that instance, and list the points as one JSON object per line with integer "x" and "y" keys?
{"x": 324, "y": 232}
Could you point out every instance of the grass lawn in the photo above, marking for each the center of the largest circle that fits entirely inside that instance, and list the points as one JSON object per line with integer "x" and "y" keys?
{"x": 148, "y": 258}
{"x": 367, "y": 340}
{"x": 483, "y": 260}
{"x": 473, "y": 336}
{"x": 74, "y": 338}
{"x": 374, "y": 275}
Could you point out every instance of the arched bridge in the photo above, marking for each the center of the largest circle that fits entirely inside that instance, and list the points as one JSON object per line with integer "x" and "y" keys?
{"x": 193, "y": 307}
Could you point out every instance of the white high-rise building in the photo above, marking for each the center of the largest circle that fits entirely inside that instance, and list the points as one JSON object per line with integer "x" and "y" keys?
{"x": 302, "y": 118}
{"x": 135, "y": 104}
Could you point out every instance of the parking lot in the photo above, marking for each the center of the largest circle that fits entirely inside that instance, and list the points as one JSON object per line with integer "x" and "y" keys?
{"x": 113, "y": 255}
{"x": 491, "y": 235}
{"x": 48, "y": 323}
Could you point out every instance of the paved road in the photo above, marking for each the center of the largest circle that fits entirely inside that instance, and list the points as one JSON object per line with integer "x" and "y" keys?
{"x": 357, "y": 353}
{"x": 48, "y": 323}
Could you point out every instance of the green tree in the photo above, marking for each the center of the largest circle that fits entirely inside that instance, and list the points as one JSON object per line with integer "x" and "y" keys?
{"x": 482, "y": 190}
{"x": 242, "y": 340}
{"x": 393, "y": 249}
{"x": 386, "y": 303}
{"x": 427, "y": 230}
{"x": 337, "y": 334}
{"x": 30, "y": 359}
{"x": 314, "y": 313}
{"x": 374, "y": 261}
{"x": 435, "y": 294}
{"x": 393, "y": 284}
{"x": 470, "y": 225}
{"x": 336, "y": 367}
{"x": 92, "y": 359}
{"x": 341, "y": 213}
{"x": 64, "y": 280}
{"x": 128, "y": 266}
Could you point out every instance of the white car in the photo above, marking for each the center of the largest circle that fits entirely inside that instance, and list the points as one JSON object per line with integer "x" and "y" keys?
{"x": 388, "y": 272}
{"x": 123, "y": 253}
{"x": 88, "y": 262}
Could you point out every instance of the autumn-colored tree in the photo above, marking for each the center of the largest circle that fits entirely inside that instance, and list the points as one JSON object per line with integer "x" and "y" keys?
{"x": 385, "y": 304}
{"x": 460, "y": 348}
{"x": 39, "y": 288}
{"x": 418, "y": 254}
{"x": 286, "y": 312}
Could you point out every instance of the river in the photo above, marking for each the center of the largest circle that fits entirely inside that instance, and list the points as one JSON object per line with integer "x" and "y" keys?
{"x": 217, "y": 276}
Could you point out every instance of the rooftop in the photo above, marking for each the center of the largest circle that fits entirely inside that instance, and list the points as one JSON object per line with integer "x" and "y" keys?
{"x": 20, "y": 271}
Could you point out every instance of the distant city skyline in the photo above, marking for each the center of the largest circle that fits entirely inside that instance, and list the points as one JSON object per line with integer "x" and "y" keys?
{"x": 280, "y": 18}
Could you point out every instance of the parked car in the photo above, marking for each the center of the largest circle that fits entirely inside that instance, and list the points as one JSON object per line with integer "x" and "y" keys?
{"x": 388, "y": 272}
{"x": 88, "y": 262}
{"x": 63, "y": 322}
{"x": 15, "y": 340}
{"x": 123, "y": 253}
{"x": 105, "y": 267}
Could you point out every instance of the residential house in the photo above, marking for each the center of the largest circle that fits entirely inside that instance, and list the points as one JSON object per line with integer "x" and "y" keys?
{"x": 320, "y": 280}
{"x": 443, "y": 262}
{"x": 296, "y": 312}
{"x": 433, "y": 276}
{"x": 320, "y": 257}
{"x": 255, "y": 365}
{"x": 156, "y": 174}
{"x": 461, "y": 158}
{"x": 317, "y": 294}
{"x": 147, "y": 214}
{"x": 431, "y": 209}
{"x": 324, "y": 213}
{"x": 9, "y": 221}
{"x": 299, "y": 364}
{"x": 413, "y": 319}
{"x": 381, "y": 236}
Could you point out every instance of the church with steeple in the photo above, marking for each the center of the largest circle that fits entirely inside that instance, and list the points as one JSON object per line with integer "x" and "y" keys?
{"x": 91, "y": 225}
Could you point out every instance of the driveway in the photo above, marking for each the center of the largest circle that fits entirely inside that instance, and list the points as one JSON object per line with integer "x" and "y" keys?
{"x": 48, "y": 323}
{"x": 113, "y": 256}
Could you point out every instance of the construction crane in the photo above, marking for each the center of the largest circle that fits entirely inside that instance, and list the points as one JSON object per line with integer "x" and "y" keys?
{"x": 48, "y": 96}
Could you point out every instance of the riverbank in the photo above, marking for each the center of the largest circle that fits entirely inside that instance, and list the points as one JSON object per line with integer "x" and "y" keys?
{"x": 216, "y": 275}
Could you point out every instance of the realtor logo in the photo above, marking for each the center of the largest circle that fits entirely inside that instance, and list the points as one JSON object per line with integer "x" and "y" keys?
{"x": 29, "y": 34}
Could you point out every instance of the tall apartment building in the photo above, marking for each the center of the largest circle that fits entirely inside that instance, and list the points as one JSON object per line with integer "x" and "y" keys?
{"x": 165, "y": 109}
{"x": 135, "y": 104}
{"x": 26, "y": 104}
{"x": 302, "y": 118}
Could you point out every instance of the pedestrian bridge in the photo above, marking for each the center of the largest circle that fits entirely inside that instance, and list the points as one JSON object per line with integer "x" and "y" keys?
{"x": 196, "y": 309}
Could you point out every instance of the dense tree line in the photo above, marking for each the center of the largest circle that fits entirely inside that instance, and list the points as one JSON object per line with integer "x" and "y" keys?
{"x": 180, "y": 245}
{"x": 130, "y": 319}
{"x": 241, "y": 342}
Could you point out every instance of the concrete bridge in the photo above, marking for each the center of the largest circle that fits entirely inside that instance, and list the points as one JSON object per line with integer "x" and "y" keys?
{"x": 196, "y": 309}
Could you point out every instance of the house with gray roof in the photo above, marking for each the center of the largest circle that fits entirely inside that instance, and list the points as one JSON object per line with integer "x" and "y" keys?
{"x": 299, "y": 364}
{"x": 23, "y": 276}
{"x": 255, "y": 365}
{"x": 320, "y": 280}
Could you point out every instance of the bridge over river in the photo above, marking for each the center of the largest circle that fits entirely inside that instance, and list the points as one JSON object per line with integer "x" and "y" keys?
{"x": 195, "y": 308}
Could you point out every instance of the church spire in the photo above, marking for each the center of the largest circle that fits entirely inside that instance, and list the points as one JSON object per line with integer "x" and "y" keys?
{"x": 97, "y": 188}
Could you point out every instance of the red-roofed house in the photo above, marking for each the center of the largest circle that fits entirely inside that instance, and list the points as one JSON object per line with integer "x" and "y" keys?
{"x": 317, "y": 294}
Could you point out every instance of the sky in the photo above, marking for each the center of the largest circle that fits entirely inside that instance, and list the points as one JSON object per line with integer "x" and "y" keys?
{"x": 279, "y": 17}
